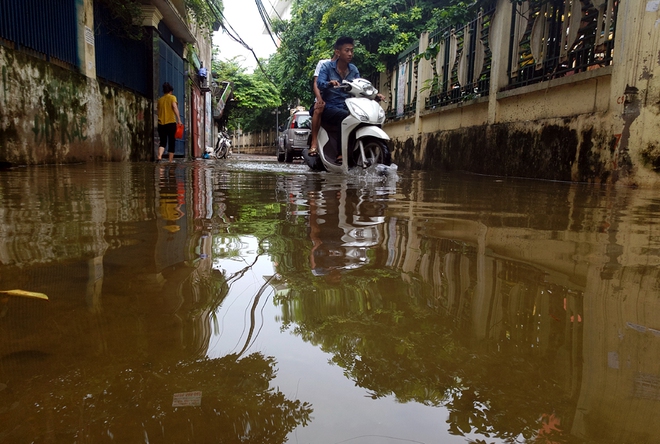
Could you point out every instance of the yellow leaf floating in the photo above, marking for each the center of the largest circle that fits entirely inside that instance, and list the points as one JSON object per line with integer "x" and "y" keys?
{"x": 24, "y": 294}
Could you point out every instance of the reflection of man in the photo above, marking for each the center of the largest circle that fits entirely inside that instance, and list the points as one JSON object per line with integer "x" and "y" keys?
{"x": 327, "y": 256}
{"x": 171, "y": 200}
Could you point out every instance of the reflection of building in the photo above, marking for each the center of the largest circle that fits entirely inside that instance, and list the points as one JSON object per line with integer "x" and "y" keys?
{"x": 560, "y": 286}
{"x": 130, "y": 311}
{"x": 102, "y": 249}
{"x": 582, "y": 289}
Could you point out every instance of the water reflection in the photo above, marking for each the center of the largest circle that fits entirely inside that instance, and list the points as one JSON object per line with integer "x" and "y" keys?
{"x": 457, "y": 308}
{"x": 128, "y": 265}
{"x": 344, "y": 225}
{"x": 512, "y": 308}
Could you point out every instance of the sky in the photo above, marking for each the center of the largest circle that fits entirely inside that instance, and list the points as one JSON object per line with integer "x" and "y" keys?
{"x": 244, "y": 18}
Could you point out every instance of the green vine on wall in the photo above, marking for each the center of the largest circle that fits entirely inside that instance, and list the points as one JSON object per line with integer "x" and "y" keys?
{"x": 207, "y": 13}
{"x": 122, "y": 17}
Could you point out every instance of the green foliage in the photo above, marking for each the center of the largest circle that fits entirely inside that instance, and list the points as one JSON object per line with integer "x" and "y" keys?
{"x": 255, "y": 96}
{"x": 382, "y": 29}
{"x": 461, "y": 11}
{"x": 121, "y": 17}
{"x": 206, "y": 12}
{"x": 124, "y": 17}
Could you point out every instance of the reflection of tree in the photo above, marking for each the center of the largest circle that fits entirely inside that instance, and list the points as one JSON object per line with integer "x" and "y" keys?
{"x": 238, "y": 405}
{"x": 394, "y": 340}
{"x": 409, "y": 324}
{"x": 507, "y": 396}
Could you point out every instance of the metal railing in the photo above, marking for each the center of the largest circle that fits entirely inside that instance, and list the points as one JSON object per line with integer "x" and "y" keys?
{"x": 405, "y": 83}
{"x": 558, "y": 38}
{"x": 461, "y": 67}
{"x": 45, "y": 29}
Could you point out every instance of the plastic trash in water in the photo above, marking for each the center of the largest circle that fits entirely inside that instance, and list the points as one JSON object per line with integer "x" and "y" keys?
{"x": 385, "y": 170}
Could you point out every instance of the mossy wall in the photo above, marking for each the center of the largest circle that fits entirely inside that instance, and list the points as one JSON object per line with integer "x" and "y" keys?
{"x": 50, "y": 114}
{"x": 555, "y": 149}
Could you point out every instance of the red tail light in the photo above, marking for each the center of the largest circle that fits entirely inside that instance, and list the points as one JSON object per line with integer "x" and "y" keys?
{"x": 293, "y": 123}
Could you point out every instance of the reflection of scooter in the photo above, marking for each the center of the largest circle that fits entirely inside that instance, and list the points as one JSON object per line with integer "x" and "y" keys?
{"x": 362, "y": 229}
{"x": 360, "y": 140}
{"x": 345, "y": 223}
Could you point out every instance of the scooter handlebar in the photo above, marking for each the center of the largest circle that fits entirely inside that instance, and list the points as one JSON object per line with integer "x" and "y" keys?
{"x": 344, "y": 86}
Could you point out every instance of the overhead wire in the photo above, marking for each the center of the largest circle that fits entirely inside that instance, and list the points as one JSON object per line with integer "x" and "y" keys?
{"x": 231, "y": 32}
{"x": 215, "y": 9}
{"x": 268, "y": 23}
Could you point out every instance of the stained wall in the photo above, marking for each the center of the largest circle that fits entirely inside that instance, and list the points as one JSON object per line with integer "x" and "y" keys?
{"x": 50, "y": 114}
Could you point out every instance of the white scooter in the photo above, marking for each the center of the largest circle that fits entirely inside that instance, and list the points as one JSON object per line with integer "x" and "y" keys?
{"x": 222, "y": 146}
{"x": 360, "y": 140}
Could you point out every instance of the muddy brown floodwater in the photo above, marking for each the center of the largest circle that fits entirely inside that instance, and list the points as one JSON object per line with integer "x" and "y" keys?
{"x": 251, "y": 301}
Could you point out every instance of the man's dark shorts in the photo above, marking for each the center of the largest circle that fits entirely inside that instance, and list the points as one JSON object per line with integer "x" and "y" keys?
{"x": 334, "y": 116}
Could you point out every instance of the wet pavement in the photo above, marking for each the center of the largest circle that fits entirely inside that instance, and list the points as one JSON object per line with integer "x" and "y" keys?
{"x": 254, "y": 301}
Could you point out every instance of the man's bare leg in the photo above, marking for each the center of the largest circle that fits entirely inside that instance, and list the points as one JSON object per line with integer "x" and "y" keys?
{"x": 171, "y": 156}
{"x": 161, "y": 150}
{"x": 316, "y": 124}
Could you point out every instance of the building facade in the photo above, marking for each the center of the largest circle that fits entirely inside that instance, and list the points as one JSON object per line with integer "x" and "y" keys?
{"x": 557, "y": 89}
{"x": 76, "y": 88}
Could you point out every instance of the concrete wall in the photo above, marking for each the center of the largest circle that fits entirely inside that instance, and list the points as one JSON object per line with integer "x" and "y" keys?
{"x": 261, "y": 143}
{"x": 50, "y": 114}
{"x": 599, "y": 125}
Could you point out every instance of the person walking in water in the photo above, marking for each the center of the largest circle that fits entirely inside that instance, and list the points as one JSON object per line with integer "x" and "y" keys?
{"x": 168, "y": 119}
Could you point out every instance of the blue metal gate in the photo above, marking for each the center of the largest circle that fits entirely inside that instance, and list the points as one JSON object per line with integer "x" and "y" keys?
{"x": 121, "y": 60}
{"x": 49, "y": 28}
{"x": 171, "y": 70}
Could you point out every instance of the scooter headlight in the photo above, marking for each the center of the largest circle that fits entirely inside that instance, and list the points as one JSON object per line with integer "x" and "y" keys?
{"x": 381, "y": 115}
{"x": 357, "y": 112}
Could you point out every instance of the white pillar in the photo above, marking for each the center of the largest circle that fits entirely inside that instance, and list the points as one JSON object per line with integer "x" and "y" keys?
{"x": 499, "y": 36}
{"x": 86, "y": 44}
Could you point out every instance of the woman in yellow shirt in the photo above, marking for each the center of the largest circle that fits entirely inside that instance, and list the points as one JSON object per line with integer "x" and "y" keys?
{"x": 168, "y": 119}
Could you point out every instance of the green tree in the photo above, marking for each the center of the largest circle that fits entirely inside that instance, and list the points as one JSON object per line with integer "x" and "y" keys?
{"x": 206, "y": 12}
{"x": 255, "y": 96}
{"x": 382, "y": 29}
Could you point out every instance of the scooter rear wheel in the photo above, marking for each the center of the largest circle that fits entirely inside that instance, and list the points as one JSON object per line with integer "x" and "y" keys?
{"x": 221, "y": 149}
{"x": 375, "y": 151}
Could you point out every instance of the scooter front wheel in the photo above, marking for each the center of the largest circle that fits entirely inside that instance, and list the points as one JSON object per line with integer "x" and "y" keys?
{"x": 313, "y": 162}
{"x": 373, "y": 151}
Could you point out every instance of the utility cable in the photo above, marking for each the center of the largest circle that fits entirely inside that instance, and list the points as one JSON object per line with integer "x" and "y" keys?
{"x": 268, "y": 24}
{"x": 226, "y": 26}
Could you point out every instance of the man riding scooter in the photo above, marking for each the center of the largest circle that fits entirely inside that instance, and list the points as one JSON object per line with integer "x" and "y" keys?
{"x": 331, "y": 76}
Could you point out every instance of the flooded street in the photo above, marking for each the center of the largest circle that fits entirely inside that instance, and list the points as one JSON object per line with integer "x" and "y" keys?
{"x": 252, "y": 301}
